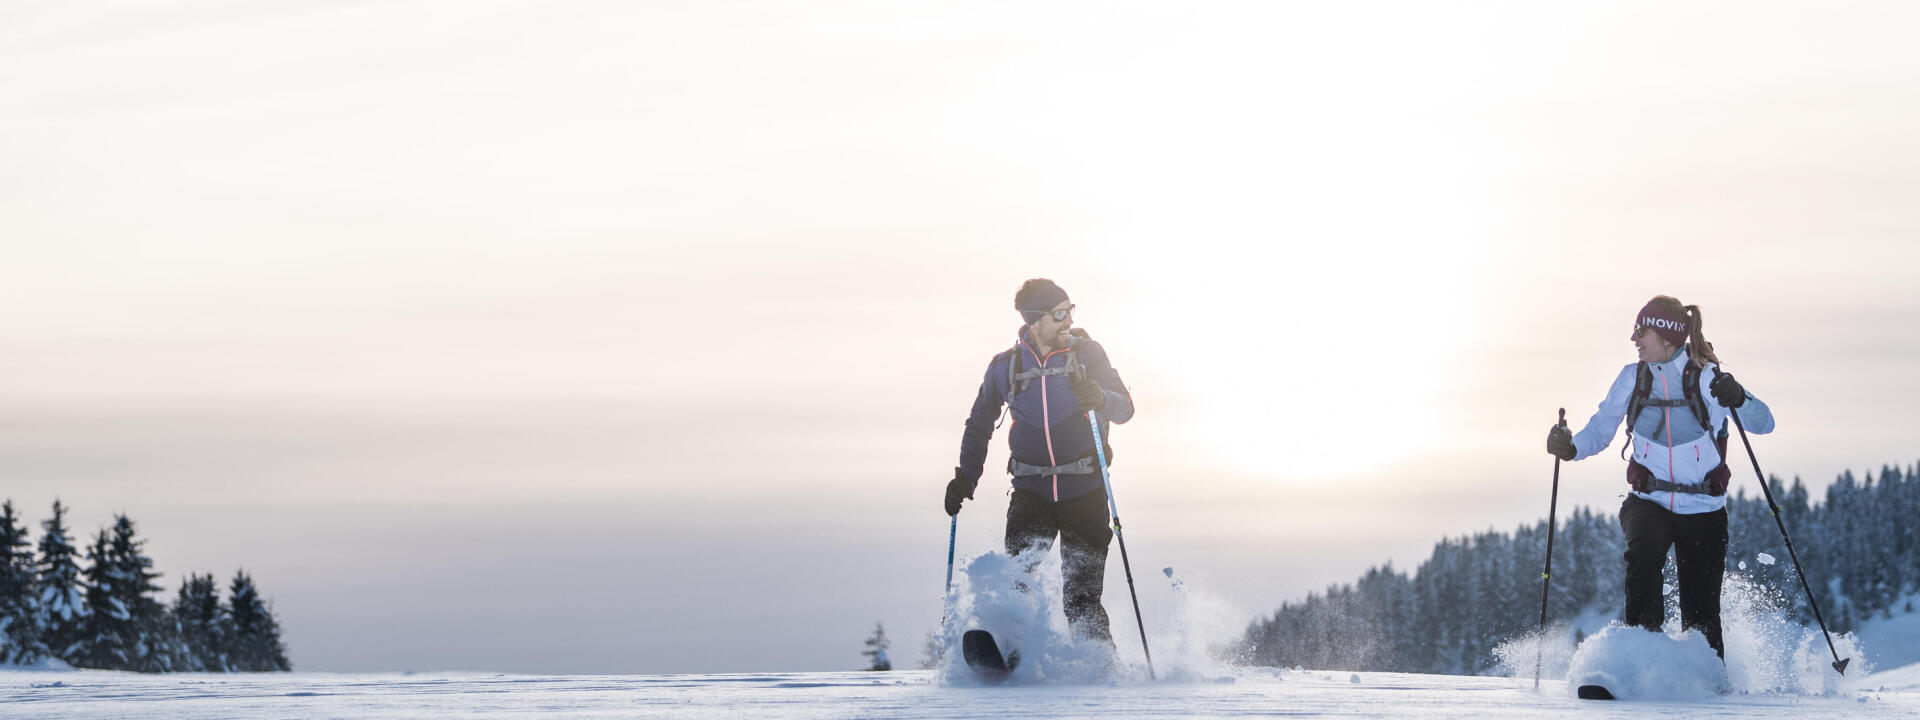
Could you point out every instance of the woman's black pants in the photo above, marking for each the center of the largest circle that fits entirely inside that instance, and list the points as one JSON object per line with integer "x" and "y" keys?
{"x": 1699, "y": 544}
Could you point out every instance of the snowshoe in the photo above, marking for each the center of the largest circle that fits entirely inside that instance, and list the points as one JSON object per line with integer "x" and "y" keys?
{"x": 983, "y": 656}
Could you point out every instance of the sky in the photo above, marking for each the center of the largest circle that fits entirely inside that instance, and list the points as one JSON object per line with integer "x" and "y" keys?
{"x": 607, "y": 337}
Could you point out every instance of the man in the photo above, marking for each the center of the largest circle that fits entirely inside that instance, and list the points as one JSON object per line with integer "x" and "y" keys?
{"x": 1050, "y": 379}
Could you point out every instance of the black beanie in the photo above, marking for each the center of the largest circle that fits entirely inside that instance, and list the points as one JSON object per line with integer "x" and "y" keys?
{"x": 1041, "y": 300}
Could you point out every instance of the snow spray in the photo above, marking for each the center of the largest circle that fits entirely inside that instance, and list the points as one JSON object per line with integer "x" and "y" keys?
{"x": 1206, "y": 634}
{"x": 1766, "y": 652}
{"x": 1018, "y": 600}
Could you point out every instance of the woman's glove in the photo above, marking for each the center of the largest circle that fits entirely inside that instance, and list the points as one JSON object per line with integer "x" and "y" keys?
{"x": 1560, "y": 443}
{"x": 1727, "y": 390}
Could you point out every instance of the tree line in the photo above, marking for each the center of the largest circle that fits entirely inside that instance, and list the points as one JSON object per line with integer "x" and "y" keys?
{"x": 106, "y": 615}
{"x": 1860, "y": 549}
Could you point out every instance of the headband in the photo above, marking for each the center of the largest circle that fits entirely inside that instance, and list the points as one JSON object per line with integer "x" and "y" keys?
{"x": 1671, "y": 328}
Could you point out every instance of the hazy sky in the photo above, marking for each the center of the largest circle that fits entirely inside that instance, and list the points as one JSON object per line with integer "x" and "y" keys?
{"x": 637, "y": 337}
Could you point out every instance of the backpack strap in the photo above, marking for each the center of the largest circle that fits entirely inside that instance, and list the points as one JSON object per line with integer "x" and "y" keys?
{"x": 1083, "y": 466}
{"x": 1013, "y": 372}
{"x": 1642, "y": 398}
{"x": 1715, "y": 482}
{"x": 1075, "y": 370}
{"x": 1017, "y": 379}
{"x": 1695, "y": 402}
{"x": 1637, "y": 401}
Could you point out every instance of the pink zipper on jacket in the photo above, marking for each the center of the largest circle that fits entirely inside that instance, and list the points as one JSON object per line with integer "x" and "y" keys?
{"x": 1046, "y": 415}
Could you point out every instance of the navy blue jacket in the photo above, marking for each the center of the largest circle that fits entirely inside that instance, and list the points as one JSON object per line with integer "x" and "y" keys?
{"x": 1048, "y": 428}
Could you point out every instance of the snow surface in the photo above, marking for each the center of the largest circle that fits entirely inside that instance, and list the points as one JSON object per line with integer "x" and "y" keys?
{"x": 1895, "y": 641}
{"x": 1774, "y": 669}
{"x": 86, "y": 695}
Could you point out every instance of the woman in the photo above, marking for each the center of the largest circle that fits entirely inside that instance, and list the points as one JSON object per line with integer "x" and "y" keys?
{"x": 1678, "y": 400}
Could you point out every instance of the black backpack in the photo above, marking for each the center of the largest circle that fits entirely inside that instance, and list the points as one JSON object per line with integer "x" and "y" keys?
{"x": 1017, "y": 382}
{"x": 1637, "y": 475}
{"x": 1017, "y": 379}
{"x": 1642, "y": 398}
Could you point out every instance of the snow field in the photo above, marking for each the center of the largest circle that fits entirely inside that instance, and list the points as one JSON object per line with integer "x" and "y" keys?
{"x": 1249, "y": 692}
{"x": 1893, "y": 641}
{"x": 1774, "y": 669}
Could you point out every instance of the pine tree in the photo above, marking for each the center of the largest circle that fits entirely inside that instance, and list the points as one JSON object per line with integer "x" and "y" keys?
{"x": 876, "y": 651}
{"x": 63, "y": 605}
{"x": 151, "y": 643}
{"x": 125, "y": 628}
{"x": 253, "y": 637}
{"x": 202, "y": 621}
{"x": 20, "y": 641}
{"x": 107, "y": 631}
{"x": 932, "y": 651}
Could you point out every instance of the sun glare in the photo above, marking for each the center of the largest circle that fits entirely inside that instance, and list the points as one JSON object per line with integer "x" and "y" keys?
{"x": 1286, "y": 253}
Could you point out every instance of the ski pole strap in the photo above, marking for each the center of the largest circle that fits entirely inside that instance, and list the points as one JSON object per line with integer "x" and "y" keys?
{"x": 1083, "y": 466}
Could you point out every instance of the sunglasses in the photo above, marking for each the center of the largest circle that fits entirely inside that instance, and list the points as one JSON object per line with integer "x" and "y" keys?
{"x": 1062, "y": 314}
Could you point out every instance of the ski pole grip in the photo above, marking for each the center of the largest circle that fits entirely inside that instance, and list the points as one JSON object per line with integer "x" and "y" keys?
{"x": 1563, "y": 416}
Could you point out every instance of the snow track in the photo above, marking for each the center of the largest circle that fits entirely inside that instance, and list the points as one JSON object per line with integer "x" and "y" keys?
{"x": 1246, "y": 693}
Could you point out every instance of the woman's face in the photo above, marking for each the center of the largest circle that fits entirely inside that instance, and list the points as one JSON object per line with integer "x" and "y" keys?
{"x": 1652, "y": 347}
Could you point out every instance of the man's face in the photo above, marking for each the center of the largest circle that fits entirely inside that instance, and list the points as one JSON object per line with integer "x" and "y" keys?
{"x": 1054, "y": 332}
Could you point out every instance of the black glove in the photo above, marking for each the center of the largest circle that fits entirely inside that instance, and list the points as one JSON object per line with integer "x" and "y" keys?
{"x": 1560, "y": 443}
{"x": 958, "y": 488}
{"x": 1727, "y": 390}
{"x": 1091, "y": 397}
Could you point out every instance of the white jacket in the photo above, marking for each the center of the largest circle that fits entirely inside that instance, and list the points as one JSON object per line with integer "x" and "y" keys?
{"x": 1669, "y": 440}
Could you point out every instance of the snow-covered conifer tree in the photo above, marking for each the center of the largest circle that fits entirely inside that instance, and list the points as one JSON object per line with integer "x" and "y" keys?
{"x": 931, "y": 651}
{"x": 151, "y": 640}
{"x": 124, "y": 628}
{"x": 20, "y": 641}
{"x": 876, "y": 651}
{"x": 202, "y": 621}
{"x": 108, "y": 626}
{"x": 62, "y": 606}
{"x": 253, "y": 640}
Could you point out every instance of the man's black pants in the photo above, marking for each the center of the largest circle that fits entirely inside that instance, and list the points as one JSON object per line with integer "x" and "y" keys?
{"x": 1699, "y": 545}
{"x": 1081, "y": 524}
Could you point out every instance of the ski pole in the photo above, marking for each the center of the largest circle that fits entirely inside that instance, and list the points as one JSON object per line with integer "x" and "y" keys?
{"x": 953, "y": 529}
{"x": 1101, "y": 450}
{"x": 1839, "y": 664}
{"x": 1546, "y": 574}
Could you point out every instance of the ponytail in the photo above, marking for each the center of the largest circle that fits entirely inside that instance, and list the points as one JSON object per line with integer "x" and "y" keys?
{"x": 1702, "y": 350}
